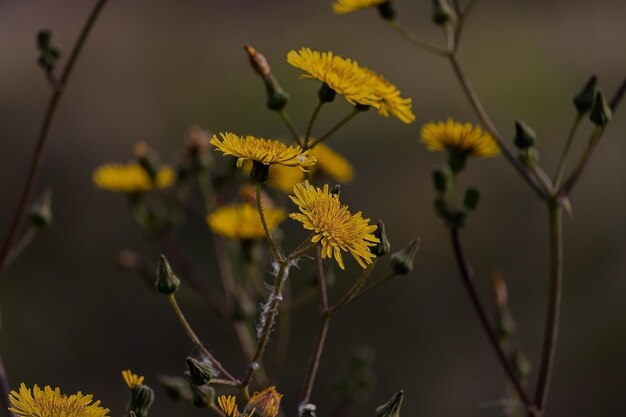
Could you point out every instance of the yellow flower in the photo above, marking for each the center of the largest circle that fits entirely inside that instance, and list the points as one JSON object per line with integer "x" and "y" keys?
{"x": 51, "y": 403}
{"x": 390, "y": 101}
{"x": 348, "y": 6}
{"x": 265, "y": 403}
{"x": 284, "y": 178}
{"x": 332, "y": 163}
{"x": 131, "y": 178}
{"x": 465, "y": 139}
{"x": 242, "y": 221}
{"x": 228, "y": 405}
{"x": 132, "y": 380}
{"x": 334, "y": 226}
{"x": 342, "y": 75}
{"x": 266, "y": 151}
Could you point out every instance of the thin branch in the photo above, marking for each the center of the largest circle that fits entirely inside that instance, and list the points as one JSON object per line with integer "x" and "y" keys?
{"x": 285, "y": 116}
{"x": 335, "y": 128}
{"x": 42, "y": 139}
{"x": 309, "y": 128}
{"x": 268, "y": 233}
{"x": 356, "y": 287}
{"x": 314, "y": 360}
{"x": 321, "y": 278}
{"x": 419, "y": 42}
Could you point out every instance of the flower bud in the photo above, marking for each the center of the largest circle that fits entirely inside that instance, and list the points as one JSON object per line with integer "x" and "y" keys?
{"x": 326, "y": 94}
{"x": 141, "y": 399}
{"x": 264, "y": 404}
{"x": 442, "y": 13}
{"x": 456, "y": 160}
{"x": 259, "y": 172}
{"x": 600, "y": 113}
{"x": 276, "y": 97}
{"x": 386, "y": 10}
{"x": 402, "y": 261}
{"x": 471, "y": 198}
{"x": 167, "y": 282}
{"x": 49, "y": 55}
{"x": 392, "y": 408}
{"x": 203, "y": 395}
{"x": 440, "y": 180}
{"x": 524, "y": 136}
{"x": 200, "y": 372}
{"x": 584, "y": 100}
{"x": 41, "y": 212}
{"x": 383, "y": 247}
{"x": 147, "y": 159}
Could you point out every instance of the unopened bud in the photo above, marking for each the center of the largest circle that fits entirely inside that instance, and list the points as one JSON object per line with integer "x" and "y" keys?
{"x": 200, "y": 372}
{"x": 48, "y": 54}
{"x": 471, "y": 198}
{"x": 307, "y": 410}
{"x": 276, "y": 97}
{"x": 146, "y": 158}
{"x": 141, "y": 399}
{"x": 176, "y": 387}
{"x": 524, "y": 136}
{"x": 203, "y": 395}
{"x": 259, "y": 172}
{"x": 440, "y": 180}
{"x": 41, "y": 212}
{"x": 383, "y": 247}
{"x": 264, "y": 404}
{"x": 386, "y": 10}
{"x": 402, "y": 261}
{"x": 442, "y": 13}
{"x": 392, "y": 408}
{"x": 167, "y": 283}
{"x": 584, "y": 100}
{"x": 456, "y": 160}
{"x": 326, "y": 94}
{"x": 600, "y": 113}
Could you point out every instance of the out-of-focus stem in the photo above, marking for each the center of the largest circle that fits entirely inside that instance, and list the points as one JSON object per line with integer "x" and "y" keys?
{"x": 285, "y": 116}
{"x": 419, "y": 42}
{"x": 268, "y": 233}
{"x": 335, "y": 128}
{"x": 309, "y": 128}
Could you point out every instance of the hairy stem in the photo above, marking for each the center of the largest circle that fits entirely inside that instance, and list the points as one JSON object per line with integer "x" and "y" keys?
{"x": 268, "y": 233}
{"x": 44, "y": 131}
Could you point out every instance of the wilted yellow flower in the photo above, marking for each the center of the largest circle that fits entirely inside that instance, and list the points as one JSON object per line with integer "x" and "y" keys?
{"x": 265, "y": 403}
{"x": 243, "y": 222}
{"x": 390, "y": 101}
{"x": 132, "y": 380}
{"x": 342, "y": 75}
{"x": 332, "y": 163}
{"x": 131, "y": 178}
{"x": 266, "y": 151}
{"x": 349, "y": 6}
{"x": 453, "y": 136}
{"x": 334, "y": 226}
{"x": 51, "y": 403}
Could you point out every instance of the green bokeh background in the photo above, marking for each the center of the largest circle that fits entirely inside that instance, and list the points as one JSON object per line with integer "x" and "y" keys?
{"x": 153, "y": 68}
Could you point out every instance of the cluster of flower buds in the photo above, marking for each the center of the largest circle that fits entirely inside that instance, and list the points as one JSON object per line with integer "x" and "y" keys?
{"x": 454, "y": 217}
{"x": 48, "y": 54}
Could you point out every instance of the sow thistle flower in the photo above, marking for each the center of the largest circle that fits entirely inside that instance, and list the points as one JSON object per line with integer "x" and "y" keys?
{"x": 349, "y": 6}
{"x": 51, "y": 403}
{"x": 390, "y": 101}
{"x": 131, "y": 178}
{"x": 243, "y": 222}
{"x": 131, "y": 379}
{"x": 262, "y": 404}
{"x": 335, "y": 227}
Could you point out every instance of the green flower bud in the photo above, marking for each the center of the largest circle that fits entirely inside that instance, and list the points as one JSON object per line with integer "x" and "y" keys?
{"x": 471, "y": 199}
{"x": 176, "y": 387}
{"x": 524, "y": 136}
{"x": 440, "y": 180}
{"x": 442, "y": 13}
{"x": 386, "y": 10}
{"x": 49, "y": 55}
{"x": 326, "y": 94}
{"x": 383, "y": 247}
{"x": 402, "y": 261}
{"x": 584, "y": 100}
{"x": 167, "y": 282}
{"x": 276, "y": 97}
{"x": 141, "y": 399}
{"x": 392, "y": 408}
{"x": 259, "y": 172}
{"x": 456, "y": 160}
{"x": 203, "y": 395}
{"x": 600, "y": 113}
{"x": 200, "y": 372}
{"x": 41, "y": 213}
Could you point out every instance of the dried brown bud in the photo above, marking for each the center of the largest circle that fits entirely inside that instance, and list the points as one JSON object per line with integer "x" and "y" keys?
{"x": 258, "y": 62}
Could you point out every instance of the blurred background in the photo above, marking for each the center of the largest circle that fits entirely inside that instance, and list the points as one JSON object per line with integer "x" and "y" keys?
{"x": 151, "y": 69}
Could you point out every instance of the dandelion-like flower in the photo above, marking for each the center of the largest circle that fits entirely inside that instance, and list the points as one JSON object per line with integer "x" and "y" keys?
{"x": 465, "y": 139}
{"x": 243, "y": 222}
{"x": 344, "y": 76}
{"x": 51, "y": 403}
{"x": 131, "y": 178}
{"x": 265, "y": 403}
{"x": 335, "y": 227}
{"x": 265, "y": 151}
{"x": 390, "y": 101}
{"x": 131, "y": 379}
{"x": 349, "y": 6}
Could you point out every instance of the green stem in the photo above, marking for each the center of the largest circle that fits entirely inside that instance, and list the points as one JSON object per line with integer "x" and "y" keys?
{"x": 374, "y": 286}
{"x": 309, "y": 128}
{"x": 285, "y": 116}
{"x": 44, "y": 131}
{"x": 419, "y": 42}
{"x": 268, "y": 233}
{"x": 573, "y": 178}
{"x": 194, "y": 338}
{"x": 335, "y": 128}
{"x": 554, "y": 304}
{"x": 570, "y": 138}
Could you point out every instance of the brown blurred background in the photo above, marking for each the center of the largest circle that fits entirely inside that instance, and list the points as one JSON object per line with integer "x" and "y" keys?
{"x": 153, "y": 68}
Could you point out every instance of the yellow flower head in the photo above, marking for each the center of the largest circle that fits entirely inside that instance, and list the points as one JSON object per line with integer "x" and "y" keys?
{"x": 465, "y": 139}
{"x": 131, "y": 178}
{"x": 228, "y": 405}
{"x": 284, "y": 178}
{"x": 342, "y": 75}
{"x": 132, "y": 380}
{"x": 349, "y": 6}
{"x": 242, "y": 221}
{"x": 390, "y": 101}
{"x": 266, "y": 151}
{"x": 51, "y": 403}
{"x": 334, "y": 226}
{"x": 265, "y": 403}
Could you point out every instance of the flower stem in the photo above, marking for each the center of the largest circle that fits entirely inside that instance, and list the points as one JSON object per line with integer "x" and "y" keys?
{"x": 44, "y": 130}
{"x": 554, "y": 303}
{"x": 468, "y": 281}
{"x": 194, "y": 338}
{"x": 419, "y": 42}
{"x": 582, "y": 163}
{"x": 561, "y": 167}
{"x": 309, "y": 128}
{"x": 285, "y": 116}
{"x": 316, "y": 355}
{"x": 356, "y": 287}
{"x": 335, "y": 128}
{"x": 374, "y": 286}
{"x": 268, "y": 233}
